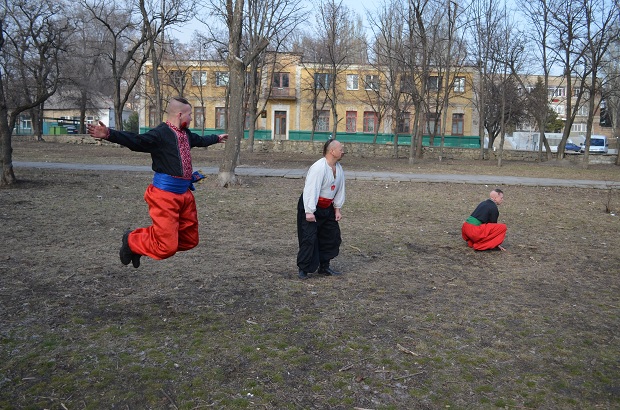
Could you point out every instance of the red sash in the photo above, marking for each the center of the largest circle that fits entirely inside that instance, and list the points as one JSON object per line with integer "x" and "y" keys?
{"x": 324, "y": 202}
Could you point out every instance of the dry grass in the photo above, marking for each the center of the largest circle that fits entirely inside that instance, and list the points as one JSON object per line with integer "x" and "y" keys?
{"x": 418, "y": 320}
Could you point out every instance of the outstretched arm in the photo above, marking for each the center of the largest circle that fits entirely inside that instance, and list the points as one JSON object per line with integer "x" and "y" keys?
{"x": 98, "y": 131}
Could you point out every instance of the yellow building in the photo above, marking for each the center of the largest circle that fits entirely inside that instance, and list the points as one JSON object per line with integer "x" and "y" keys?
{"x": 297, "y": 101}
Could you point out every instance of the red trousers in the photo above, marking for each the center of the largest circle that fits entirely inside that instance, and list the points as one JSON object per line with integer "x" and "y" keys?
{"x": 175, "y": 225}
{"x": 485, "y": 236}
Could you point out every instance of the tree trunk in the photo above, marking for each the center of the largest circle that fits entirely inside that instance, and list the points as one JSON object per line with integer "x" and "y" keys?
{"x": 251, "y": 131}
{"x": 236, "y": 89}
{"x": 414, "y": 135}
{"x": 36, "y": 115}
{"x": 227, "y": 175}
{"x": 6, "y": 151}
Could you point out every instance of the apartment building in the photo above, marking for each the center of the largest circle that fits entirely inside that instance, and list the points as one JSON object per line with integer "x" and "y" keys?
{"x": 558, "y": 94}
{"x": 300, "y": 100}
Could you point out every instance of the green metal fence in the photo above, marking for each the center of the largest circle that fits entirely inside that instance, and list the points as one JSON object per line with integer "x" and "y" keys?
{"x": 364, "y": 138}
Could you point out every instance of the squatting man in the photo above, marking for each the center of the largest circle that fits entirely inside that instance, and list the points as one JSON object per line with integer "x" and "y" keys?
{"x": 481, "y": 230}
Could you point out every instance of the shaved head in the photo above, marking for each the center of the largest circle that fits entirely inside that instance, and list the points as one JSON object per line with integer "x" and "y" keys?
{"x": 179, "y": 112}
{"x": 497, "y": 196}
{"x": 177, "y": 105}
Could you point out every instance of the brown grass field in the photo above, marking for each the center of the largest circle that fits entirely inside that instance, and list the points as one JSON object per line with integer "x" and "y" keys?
{"x": 417, "y": 320}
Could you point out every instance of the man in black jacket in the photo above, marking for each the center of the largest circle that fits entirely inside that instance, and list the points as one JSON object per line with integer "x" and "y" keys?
{"x": 172, "y": 206}
{"x": 481, "y": 230}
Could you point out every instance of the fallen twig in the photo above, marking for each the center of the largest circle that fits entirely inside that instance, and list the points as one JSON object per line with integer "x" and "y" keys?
{"x": 359, "y": 250}
{"x": 169, "y": 399}
{"x": 356, "y": 248}
{"x": 349, "y": 366}
{"x": 402, "y": 349}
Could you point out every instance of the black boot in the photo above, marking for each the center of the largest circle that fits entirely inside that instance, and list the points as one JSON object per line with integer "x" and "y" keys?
{"x": 303, "y": 274}
{"x": 324, "y": 269}
{"x": 135, "y": 260}
{"x": 125, "y": 252}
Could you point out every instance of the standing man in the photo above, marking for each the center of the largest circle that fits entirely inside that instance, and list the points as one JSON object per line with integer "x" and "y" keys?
{"x": 172, "y": 206}
{"x": 318, "y": 212}
{"x": 481, "y": 230}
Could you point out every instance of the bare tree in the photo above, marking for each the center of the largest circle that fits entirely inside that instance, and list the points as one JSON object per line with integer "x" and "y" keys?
{"x": 418, "y": 50}
{"x": 157, "y": 17}
{"x": 33, "y": 35}
{"x": 394, "y": 98}
{"x": 85, "y": 77}
{"x": 509, "y": 57}
{"x": 611, "y": 91}
{"x": 601, "y": 29}
{"x": 538, "y": 14}
{"x": 338, "y": 44}
{"x": 448, "y": 56}
{"x": 232, "y": 14}
{"x": 127, "y": 48}
{"x": 568, "y": 24}
{"x": 484, "y": 17}
{"x": 274, "y": 21}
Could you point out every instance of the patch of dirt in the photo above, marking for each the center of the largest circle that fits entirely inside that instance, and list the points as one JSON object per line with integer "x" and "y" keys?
{"x": 417, "y": 320}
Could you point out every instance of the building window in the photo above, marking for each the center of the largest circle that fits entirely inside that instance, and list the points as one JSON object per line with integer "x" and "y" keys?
{"x": 280, "y": 85}
{"x": 177, "y": 79}
{"x": 220, "y": 118}
{"x": 322, "y": 120}
{"x": 578, "y": 127}
{"x": 199, "y": 78}
{"x": 322, "y": 80}
{"x": 25, "y": 122}
{"x": 199, "y": 117}
{"x": 280, "y": 80}
{"x": 433, "y": 123}
{"x": 371, "y": 82}
{"x": 583, "y": 111}
{"x": 353, "y": 81}
{"x": 557, "y": 92}
{"x": 370, "y": 121}
{"x": 458, "y": 120}
{"x": 459, "y": 85}
{"x": 434, "y": 83}
{"x": 559, "y": 109}
{"x": 152, "y": 117}
{"x": 577, "y": 91}
{"x": 351, "y": 121}
{"x": 221, "y": 78}
{"x": 403, "y": 123}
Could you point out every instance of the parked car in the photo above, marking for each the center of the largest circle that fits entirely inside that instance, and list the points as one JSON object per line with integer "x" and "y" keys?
{"x": 572, "y": 147}
{"x": 71, "y": 129}
{"x": 598, "y": 144}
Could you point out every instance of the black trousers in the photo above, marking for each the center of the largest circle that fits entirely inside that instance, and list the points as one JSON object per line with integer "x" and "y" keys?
{"x": 319, "y": 241}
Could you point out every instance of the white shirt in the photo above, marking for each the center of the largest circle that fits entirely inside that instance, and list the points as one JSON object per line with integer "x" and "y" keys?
{"x": 320, "y": 182}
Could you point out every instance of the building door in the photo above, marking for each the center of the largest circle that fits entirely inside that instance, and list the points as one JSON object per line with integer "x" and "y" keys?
{"x": 279, "y": 126}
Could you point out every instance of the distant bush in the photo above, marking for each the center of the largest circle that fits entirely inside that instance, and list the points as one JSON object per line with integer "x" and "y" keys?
{"x": 132, "y": 123}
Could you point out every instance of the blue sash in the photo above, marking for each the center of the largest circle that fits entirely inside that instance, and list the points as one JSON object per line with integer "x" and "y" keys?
{"x": 171, "y": 184}
{"x": 174, "y": 184}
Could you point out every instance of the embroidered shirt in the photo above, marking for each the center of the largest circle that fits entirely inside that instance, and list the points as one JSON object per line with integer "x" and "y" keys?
{"x": 184, "y": 150}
